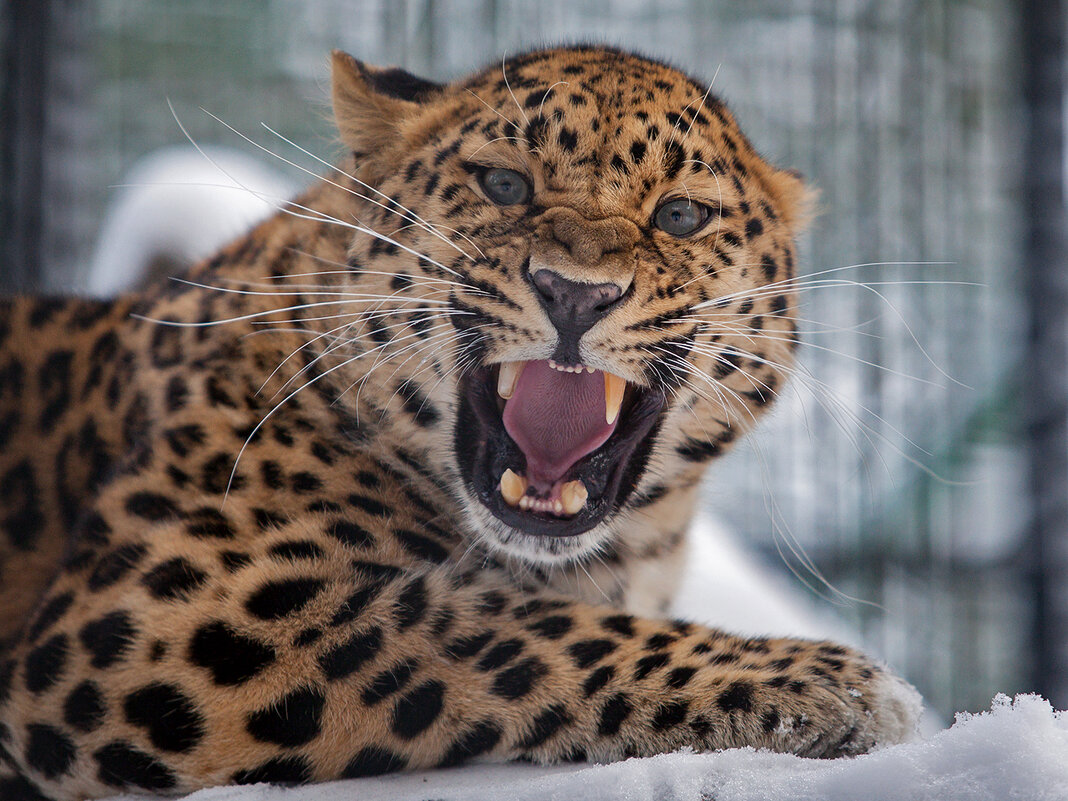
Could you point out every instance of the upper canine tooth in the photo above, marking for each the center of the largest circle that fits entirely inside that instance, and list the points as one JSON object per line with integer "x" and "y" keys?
{"x": 614, "y": 387}
{"x": 513, "y": 487}
{"x": 573, "y": 497}
{"x": 507, "y": 378}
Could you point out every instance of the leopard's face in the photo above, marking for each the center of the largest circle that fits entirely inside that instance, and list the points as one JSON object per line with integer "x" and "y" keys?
{"x": 589, "y": 280}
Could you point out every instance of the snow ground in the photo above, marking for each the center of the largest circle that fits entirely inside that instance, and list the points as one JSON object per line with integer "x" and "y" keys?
{"x": 1017, "y": 750}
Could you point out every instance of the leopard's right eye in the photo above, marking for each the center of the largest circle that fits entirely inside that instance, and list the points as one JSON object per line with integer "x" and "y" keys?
{"x": 505, "y": 187}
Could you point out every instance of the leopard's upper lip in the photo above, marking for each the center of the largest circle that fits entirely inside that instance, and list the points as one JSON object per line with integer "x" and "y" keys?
{"x": 608, "y": 474}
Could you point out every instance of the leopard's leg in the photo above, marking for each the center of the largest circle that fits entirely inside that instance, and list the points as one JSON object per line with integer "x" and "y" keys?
{"x": 344, "y": 643}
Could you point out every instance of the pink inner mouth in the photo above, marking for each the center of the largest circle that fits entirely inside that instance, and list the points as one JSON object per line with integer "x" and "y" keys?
{"x": 556, "y": 418}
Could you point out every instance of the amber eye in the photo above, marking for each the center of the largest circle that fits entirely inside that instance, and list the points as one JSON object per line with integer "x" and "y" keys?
{"x": 680, "y": 217}
{"x": 505, "y": 187}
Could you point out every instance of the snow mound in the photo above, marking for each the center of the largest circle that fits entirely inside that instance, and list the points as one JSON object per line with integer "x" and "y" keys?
{"x": 1017, "y": 750}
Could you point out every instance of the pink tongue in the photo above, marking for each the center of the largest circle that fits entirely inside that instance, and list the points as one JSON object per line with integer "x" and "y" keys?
{"x": 556, "y": 418}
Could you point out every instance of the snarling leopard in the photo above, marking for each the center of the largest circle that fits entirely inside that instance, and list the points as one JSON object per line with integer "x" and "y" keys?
{"x": 402, "y": 477}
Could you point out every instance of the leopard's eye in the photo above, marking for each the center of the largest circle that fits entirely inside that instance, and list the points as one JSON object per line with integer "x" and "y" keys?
{"x": 680, "y": 217}
{"x": 505, "y": 187}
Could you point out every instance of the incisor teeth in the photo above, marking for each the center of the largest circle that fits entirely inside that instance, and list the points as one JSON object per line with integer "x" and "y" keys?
{"x": 513, "y": 487}
{"x": 573, "y": 497}
{"x": 614, "y": 387}
{"x": 507, "y": 378}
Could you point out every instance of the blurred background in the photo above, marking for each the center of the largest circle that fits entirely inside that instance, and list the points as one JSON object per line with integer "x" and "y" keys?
{"x": 919, "y": 462}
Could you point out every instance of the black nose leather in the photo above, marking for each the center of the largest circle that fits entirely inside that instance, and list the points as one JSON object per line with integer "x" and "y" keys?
{"x": 573, "y": 307}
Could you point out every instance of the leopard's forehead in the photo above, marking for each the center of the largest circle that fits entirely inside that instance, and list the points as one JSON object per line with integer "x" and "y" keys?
{"x": 605, "y": 123}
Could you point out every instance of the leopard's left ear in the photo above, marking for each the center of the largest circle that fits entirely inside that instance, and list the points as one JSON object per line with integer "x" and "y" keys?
{"x": 374, "y": 106}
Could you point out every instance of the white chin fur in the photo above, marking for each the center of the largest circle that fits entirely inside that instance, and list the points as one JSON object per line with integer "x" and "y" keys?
{"x": 532, "y": 549}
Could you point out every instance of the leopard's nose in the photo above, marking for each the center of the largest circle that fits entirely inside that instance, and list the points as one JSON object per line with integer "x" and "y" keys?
{"x": 574, "y": 306}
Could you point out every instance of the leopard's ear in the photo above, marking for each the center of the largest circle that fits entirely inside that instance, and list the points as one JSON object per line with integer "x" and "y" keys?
{"x": 374, "y": 106}
{"x": 794, "y": 199}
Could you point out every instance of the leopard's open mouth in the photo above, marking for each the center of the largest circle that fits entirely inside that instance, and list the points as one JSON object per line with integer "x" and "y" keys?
{"x": 553, "y": 449}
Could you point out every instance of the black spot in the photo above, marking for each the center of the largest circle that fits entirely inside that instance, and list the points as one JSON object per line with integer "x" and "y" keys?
{"x": 373, "y": 761}
{"x": 291, "y": 721}
{"x": 694, "y": 450}
{"x": 276, "y": 599}
{"x": 115, "y": 564}
{"x": 369, "y": 505}
{"x": 84, "y": 708}
{"x": 183, "y": 439}
{"x": 46, "y": 663}
{"x": 19, "y": 789}
{"x": 388, "y": 682}
{"x": 151, "y": 506}
{"x": 234, "y": 560}
{"x": 296, "y": 549}
{"x": 670, "y": 714}
{"x": 674, "y": 158}
{"x": 621, "y": 624}
{"x": 350, "y": 533}
{"x": 647, "y": 664}
{"x": 217, "y": 474}
{"x": 305, "y": 482}
{"x": 656, "y": 642}
{"x": 420, "y": 546}
{"x": 492, "y": 603}
{"x": 568, "y": 139}
{"x": 500, "y": 654}
{"x": 173, "y": 722}
{"x": 637, "y": 152}
{"x": 411, "y": 604}
{"x": 108, "y": 639}
{"x": 770, "y": 721}
{"x": 208, "y": 523}
{"x": 19, "y": 491}
{"x": 737, "y": 697}
{"x": 121, "y": 765}
{"x": 177, "y": 395}
{"x": 545, "y": 726}
{"x": 587, "y": 652}
{"x": 753, "y": 228}
{"x": 49, "y": 614}
{"x": 231, "y": 657}
{"x": 49, "y": 751}
{"x": 553, "y": 627}
{"x": 174, "y": 579}
{"x": 7, "y": 671}
{"x": 418, "y": 709}
{"x": 598, "y": 679}
{"x": 518, "y": 680}
{"x": 280, "y": 770}
{"x": 613, "y": 713}
{"x": 466, "y": 647}
{"x": 479, "y": 739}
{"x": 417, "y": 405}
{"x": 679, "y": 677}
{"x": 346, "y": 658}
{"x": 266, "y": 519}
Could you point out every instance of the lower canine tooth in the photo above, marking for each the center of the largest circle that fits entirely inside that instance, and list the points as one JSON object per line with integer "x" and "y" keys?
{"x": 614, "y": 386}
{"x": 573, "y": 496}
{"x": 513, "y": 487}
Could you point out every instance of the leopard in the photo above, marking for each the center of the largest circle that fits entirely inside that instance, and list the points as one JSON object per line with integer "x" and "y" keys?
{"x": 402, "y": 478}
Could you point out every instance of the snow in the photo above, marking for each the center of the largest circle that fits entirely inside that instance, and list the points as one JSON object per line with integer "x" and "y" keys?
{"x": 1017, "y": 750}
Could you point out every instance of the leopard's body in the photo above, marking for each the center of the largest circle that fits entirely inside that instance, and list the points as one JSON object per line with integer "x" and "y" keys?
{"x": 345, "y": 598}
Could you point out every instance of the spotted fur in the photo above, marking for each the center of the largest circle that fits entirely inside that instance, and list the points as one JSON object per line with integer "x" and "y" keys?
{"x": 237, "y": 539}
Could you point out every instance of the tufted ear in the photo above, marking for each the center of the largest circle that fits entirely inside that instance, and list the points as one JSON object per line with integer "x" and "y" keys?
{"x": 372, "y": 106}
{"x": 795, "y": 200}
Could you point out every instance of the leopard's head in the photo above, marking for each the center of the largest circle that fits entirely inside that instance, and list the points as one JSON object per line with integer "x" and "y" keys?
{"x": 586, "y": 273}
